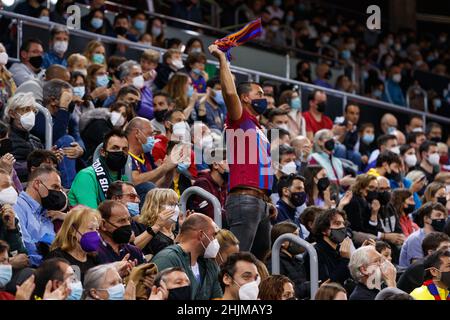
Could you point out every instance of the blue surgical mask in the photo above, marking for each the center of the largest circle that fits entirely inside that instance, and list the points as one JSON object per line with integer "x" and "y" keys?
{"x": 190, "y": 91}
{"x": 76, "y": 291}
{"x": 259, "y": 105}
{"x": 96, "y": 23}
{"x": 98, "y": 58}
{"x": 148, "y": 146}
{"x": 296, "y": 103}
{"x": 183, "y": 167}
{"x": 368, "y": 138}
{"x": 45, "y": 18}
{"x": 377, "y": 93}
{"x": 5, "y": 274}
{"x": 133, "y": 208}
{"x": 79, "y": 91}
{"x": 102, "y": 81}
{"x": 116, "y": 292}
{"x": 197, "y": 71}
{"x": 346, "y": 54}
{"x": 219, "y": 97}
{"x": 140, "y": 25}
{"x": 437, "y": 103}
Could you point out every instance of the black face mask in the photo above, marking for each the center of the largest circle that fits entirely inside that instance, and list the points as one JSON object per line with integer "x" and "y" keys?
{"x": 116, "y": 160}
{"x": 409, "y": 209}
{"x": 371, "y": 195}
{"x": 396, "y": 176}
{"x": 321, "y": 107}
{"x": 55, "y": 200}
{"x": 323, "y": 184}
{"x": 384, "y": 197}
{"x": 294, "y": 249}
{"x": 445, "y": 278}
{"x": 5, "y": 146}
{"x": 36, "y": 61}
{"x": 438, "y": 224}
{"x": 329, "y": 145}
{"x": 122, "y": 234}
{"x": 182, "y": 293}
{"x": 436, "y": 139}
{"x": 121, "y": 31}
{"x": 442, "y": 200}
{"x": 338, "y": 235}
{"x": 298, "y": 198}
{"x": 159, "y": 115}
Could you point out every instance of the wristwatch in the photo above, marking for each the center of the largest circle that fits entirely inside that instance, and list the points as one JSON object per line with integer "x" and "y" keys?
{"x": 150, "y": 231}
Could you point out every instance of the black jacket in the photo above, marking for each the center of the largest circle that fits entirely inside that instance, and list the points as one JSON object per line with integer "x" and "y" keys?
{"x": 361, "y": 292}
{"x": 358, "y": 214}
{"x": 331, "y": 264}
{"x": 412, "y": 278}
{"x": 164, "y": 71}
{"x": 294, "y": 269}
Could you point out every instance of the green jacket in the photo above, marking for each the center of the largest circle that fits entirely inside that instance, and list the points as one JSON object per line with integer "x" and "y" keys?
{"x": 12, "y": 237}
{"x": 174, "y": 256}
{"x": 85, "y": 189}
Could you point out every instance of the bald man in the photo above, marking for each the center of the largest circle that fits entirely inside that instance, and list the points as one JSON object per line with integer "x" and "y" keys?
{"x": 139, "y": 133}
{"x": 195, "y": 253}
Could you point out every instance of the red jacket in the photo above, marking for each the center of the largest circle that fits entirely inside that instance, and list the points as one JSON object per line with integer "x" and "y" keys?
{"x": 205, "y": 181}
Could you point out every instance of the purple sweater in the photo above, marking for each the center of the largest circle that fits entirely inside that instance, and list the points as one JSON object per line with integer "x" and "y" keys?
{"x": 146, "y": 108}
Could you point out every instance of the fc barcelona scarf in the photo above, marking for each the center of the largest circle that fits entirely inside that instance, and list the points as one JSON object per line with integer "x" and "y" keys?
{"x": 249, "y": 32}
{"x": 433, "y": 290}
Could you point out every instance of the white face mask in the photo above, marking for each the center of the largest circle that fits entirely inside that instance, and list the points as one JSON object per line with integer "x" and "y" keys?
{"x": 212, "y": 249}
{"x": 60, "y": 47}
{"x": 433, "y": 159}
{"x": 27, "y": 120}
{"x": 178, "y": 64}
{"x": 249, "y": 291}
{"x": 289, "y": 168}
{"x": 207, "y": 142}
{"x": 283, "y": 126}
{"x": 180, "y": 129}
{"x": 8, "y": 196}
{"x": 138, "y": 82}
{"x": 375, "y": 277}
{"x": 397, "y": 77}
{"x": 117, "y": 119}
{"x": 395, "y": 150}
{"x": 3, "y": 58}
{"x": 410, "y": 160}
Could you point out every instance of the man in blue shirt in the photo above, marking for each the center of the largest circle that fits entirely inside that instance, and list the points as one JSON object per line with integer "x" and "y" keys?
{"x": 37, "y": 207}
{"x": 394, "y": 92}
{"x": 59, "y": 42}
{"x": 291, "y": 190}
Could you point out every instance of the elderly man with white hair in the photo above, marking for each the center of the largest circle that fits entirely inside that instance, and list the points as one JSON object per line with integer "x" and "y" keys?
{"x": 20, "y": 114}
{"x": 324, "y": 145}
{"x": 370, "y": 271}
{"x": 303, "y": 147}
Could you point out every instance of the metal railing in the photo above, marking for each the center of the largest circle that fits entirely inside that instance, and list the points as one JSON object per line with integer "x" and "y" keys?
{"x": 48, "y": 126}
{"x": 251, "y": 74}
{"x": 206, "y": 195}
{"x": 313, "y": 261}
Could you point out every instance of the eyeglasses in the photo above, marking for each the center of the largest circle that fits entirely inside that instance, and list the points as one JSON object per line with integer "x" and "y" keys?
{"x": 133, "y": 196}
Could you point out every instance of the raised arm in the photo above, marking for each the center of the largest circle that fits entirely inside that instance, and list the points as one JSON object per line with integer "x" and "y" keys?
{"x": 229, "y": 92}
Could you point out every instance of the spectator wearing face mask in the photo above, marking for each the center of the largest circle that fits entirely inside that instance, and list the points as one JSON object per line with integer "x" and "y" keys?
{"x": 285, "y": 165}
{"x": 290, "y": 102}
{"x": 161, "y": 105}
{"x": 290, "y": 265}
{"x": 31, "y": 58}
{"x": 229, "y": 244}
{"x": 430, "y": 160}
{"x": 431, "y": 217}
{"x": 149, "y": 62}
{"x": 323, "y": 74}
{"x": 370, "y": 271}
{"x": 239, "y": 277}
{"x": 103, "y": 282}
{"x": 333, "y": 246}
{"x": 292, "y": 195}
{"x": 90, "y": 184}
{"x": 317, "y": 186}
{"x": 394, "y": 93}
{"x": 195, "y": 67}
{"x": 385, "y": 142}
{"x": 277, "y": 287}
{"x": 116, "y": 232}
{"x": 59, "y": 42}
{"x": 436, "y": 284}
{"x": 181, "y": 90}
{"x": 412, "y": 277}
{"x": 215, "y": 109}
{"x": 388, "y": 165}
{"x": 172, "y": 284}
{"x": 96, "y": 22}
{"x": 196, "y": 247}
{"x": 314, "y": 118}
{"x": 37, "y": 207}
{"x": 171, "y": 63}
{"x": 155, "y": 229}
{"x": 78, "y": 239}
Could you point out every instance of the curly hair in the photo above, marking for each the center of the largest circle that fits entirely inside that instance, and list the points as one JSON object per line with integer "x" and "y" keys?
{"x": 155, "y": 200}
{"x": 272, "y": 287}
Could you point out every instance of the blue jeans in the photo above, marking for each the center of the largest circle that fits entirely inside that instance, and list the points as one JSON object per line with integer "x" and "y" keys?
{"x": 67, "y": 166}
{"x": 248, "y": 219}
{"x": 340, "y": 151}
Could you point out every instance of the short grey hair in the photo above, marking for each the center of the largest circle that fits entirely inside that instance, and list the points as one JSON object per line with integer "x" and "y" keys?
{"x": 58, "y": 29}
{"x": 94, "y": 278}
{"x": 360, "y": 258}
{"x": 18, "y": 101}
{"x": 415, "y": 175}
{"x": 53, "y": 89}
{"x": 320, "y": 135}
{"x": 126, "y": 67}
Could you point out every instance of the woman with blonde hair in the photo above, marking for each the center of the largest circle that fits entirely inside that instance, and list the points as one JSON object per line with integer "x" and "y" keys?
{"x": 95, "y": 52}
{"x": 7, "y": 84}
{"x": 157, "y": 218}
{"x": 180, "y": 89}
{"x": 78, "y": 239}
{"x": 229, "y": 244}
